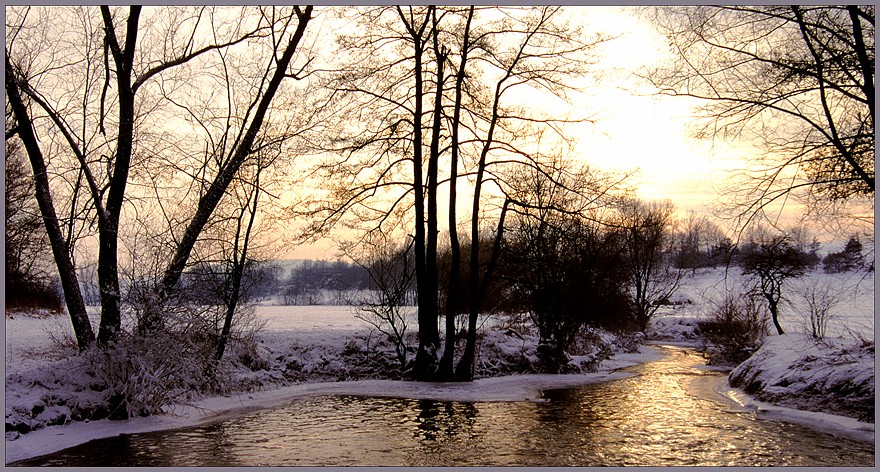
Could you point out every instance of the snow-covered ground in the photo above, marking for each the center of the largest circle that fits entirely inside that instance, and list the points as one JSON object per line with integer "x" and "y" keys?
{"x": 851, "y": 316}
{"x": 309, "y": 340}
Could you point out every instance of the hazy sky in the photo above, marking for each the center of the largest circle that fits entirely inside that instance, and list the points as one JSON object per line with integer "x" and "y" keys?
{"x": 635, "y": 129}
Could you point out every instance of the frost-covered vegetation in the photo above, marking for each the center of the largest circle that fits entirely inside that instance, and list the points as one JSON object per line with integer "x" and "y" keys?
{"x": 48, "y": 382}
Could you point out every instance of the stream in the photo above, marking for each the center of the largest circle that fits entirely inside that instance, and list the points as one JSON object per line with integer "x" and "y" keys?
{"x": 668, "y": 414}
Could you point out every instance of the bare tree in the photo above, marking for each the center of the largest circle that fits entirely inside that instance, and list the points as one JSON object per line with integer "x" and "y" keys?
{"x": 378, "y": 96}
{"x": 797, "y": 81}
{"x": 699, "y": 242}
{"x": 392, "y": 142}
{"x": 647, "y": 242}
{"x": 545, "y": 56}
{"x": 771, "y": 260}
{"x": 565, "y": 266}
{"x": 452, "y": 296}
{"x": 82, "y": 328}
{"x": 241, "y": 151}
{"x": 391, "y": 272}
{"x": 128, "y": 66}
{"x": 238, "y": 259}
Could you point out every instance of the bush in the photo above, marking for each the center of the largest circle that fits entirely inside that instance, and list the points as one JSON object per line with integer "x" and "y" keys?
{"x": 820, "y": 299}
{"x": 142, "y": 374}
{"x": 566, "y": 276}
{"x": 735, "y": 329}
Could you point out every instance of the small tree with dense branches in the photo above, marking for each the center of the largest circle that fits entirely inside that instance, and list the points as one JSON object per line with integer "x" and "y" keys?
{"x": 771, "y": 261}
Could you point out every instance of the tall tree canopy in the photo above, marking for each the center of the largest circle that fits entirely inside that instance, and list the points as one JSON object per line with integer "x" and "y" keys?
{"x": 798, "y": 81}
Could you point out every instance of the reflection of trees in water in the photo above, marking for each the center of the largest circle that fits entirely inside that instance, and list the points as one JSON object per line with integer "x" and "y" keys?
{"x": 665, "y": 415}
{"x": 439, "y": 421}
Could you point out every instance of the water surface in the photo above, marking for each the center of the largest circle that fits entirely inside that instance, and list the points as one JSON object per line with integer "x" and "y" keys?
{"x": 668, "y": 414}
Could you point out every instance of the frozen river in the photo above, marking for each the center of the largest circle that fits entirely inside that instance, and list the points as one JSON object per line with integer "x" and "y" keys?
{"x": 669, "y": 413}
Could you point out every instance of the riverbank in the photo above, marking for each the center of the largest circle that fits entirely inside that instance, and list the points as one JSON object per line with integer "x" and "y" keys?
{"x": 795, "y": 377}
{"x": 666, "y": 414}
{"x": 508, "y": 388}
{"x": 796, "y": 371}
{"x": 303, "y": 351}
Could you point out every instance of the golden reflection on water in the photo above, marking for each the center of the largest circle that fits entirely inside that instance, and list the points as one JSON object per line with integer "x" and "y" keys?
{"x": 667, "y": 414}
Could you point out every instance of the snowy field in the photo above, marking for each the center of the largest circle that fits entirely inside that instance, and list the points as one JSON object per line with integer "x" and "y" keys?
{"x": 851, "y": 316}
{"x": 312, "y": 335}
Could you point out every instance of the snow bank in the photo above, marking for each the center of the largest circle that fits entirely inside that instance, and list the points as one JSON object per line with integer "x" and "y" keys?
{"x": 317, "y": 350}
{"x": 841, "y": 426}
{"x": 795, "y": 371}
{"x": 827, "y": 385}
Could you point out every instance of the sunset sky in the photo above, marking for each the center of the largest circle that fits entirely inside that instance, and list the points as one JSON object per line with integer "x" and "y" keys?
{"x": 635, "y": 129}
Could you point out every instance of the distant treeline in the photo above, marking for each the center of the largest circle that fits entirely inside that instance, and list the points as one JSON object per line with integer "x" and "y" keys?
{"x": 339, "y": 282}
{"x": 322, "y": 282}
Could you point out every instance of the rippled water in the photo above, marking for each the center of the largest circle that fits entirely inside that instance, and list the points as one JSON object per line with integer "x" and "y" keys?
{"x": 668, "y": 414}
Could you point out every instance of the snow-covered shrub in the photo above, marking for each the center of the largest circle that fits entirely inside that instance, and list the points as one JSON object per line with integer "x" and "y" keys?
{"x": 504, "y": 351}
{"x": 517, "y": 324}
{"x": 734, "y": 330}
{"x": 136, "y": 376}
{"x": 362, "y": 356}
{"x": 142, "y": 374}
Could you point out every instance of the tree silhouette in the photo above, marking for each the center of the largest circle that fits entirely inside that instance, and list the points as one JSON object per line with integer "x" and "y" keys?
{"x": 398, "y": 112}
{"x": 773, "y": 259}
{"x": 117, "y": 48}
{"x": 797, "y": 81}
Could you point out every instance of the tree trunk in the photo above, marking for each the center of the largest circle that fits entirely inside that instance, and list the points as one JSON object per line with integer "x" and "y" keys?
{"x": 774, "y": 313}
{"x": 465, "y": 369}
{"x": 108, "y": 222}
{"x": 82, "y": 328}
{"x": 447, "y": 362}
{"x": 429, "y": 335}
{"x": 108, "y": 285}
{"x": 447, "y": 371}
{"x": 238, "y": 266}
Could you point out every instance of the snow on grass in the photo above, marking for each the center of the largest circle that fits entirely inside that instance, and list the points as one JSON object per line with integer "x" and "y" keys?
{"x": 852, "y": 317}
{"x": 313, "y": 350}
{"x": 795, "y": 371}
